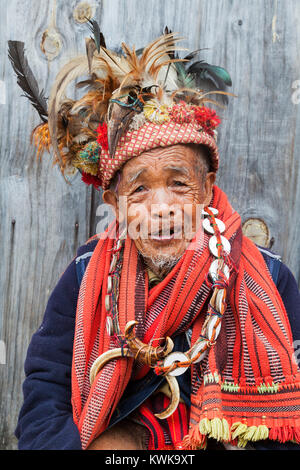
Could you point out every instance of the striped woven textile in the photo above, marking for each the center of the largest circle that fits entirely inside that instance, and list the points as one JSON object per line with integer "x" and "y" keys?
{"x": 166, "y": 434}
{"x": 247, "y": 388}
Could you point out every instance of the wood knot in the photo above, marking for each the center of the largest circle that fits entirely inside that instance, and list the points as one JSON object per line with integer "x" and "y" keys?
{"x": 51, "y": 43}
{"x": 83, "y": 12}
{"x": 257, "y": 230}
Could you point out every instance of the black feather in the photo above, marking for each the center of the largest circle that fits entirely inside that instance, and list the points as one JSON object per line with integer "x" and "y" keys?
{"x": 25, "y": 78}
{"x": 218, "y": 75}
{"x": 102, "y": 41}
{"x": 192, "y": 55}
{"x": 98, "y": 36}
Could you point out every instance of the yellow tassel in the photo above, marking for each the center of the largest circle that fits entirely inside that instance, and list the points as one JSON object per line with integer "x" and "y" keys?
{"x": 87, "y": 167}
{"x": 203, "y": 445}
{"x": 156, "y": 113}
{"x": 262, "y": 432}
{"x": 242, "y": 442}
{"x": 216, "y": 429}
{"x": 237, "y": 429}
{"x": 250, "y": 433}
{"x": 205, "y": 426}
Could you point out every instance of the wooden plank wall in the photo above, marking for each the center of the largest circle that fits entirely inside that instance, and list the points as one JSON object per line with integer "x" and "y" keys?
{"x": 43, "y": 220}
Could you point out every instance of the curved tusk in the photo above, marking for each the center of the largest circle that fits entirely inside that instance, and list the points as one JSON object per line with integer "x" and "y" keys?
{"x": 169, "y": 345}
{"x": 175, "y": 397}
{"x": 136, "y": 345}
{"x": 100, "y": 362}
{"x": 129, "y": 327}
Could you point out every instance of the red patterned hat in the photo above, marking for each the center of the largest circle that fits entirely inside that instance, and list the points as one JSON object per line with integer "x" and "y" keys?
{"x": 134, "y": 101}
{"x": 150, "y": 136}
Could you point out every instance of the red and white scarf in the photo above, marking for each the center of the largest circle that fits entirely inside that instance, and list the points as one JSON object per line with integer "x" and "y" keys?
{"x": 248, "y": 388}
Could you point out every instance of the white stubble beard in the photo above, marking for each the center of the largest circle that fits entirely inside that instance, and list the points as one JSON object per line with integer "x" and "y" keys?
{"x": 161, "y": 264}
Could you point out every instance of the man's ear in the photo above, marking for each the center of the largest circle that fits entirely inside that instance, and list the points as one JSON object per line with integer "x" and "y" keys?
{"x": 208, "y": 187}
{"x": 110, "y": 197}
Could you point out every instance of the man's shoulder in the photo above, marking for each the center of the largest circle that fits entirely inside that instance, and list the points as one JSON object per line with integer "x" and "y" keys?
{"x": 86, "y": 250}
{"x": 83, "y": 256}
{"x": 273, "y": 262}
{"x": 267, "y": 253}
{"x": 281, "y": 273}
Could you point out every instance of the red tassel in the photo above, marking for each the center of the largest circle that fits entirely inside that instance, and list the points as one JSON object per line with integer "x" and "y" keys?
{"x": 196, "y": 439}
{"x": 297, "y": 435}
{"x": 284, "y": 434}
{"x": 91, "y": 179}
{"x": 102, "y": 138}
{"x": 288, "y": 433}
{"x": 273, "y": 434}
{"x": 186, "y": 444}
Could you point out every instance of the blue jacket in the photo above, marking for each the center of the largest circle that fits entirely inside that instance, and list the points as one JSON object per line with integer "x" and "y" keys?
{"x": 45, "y": 420}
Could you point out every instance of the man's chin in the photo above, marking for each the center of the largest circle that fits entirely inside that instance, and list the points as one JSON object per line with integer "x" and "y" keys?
{"x": 161, "y": 258}
{"x": 161, "y": 249}
{"x": 161, "y": 265}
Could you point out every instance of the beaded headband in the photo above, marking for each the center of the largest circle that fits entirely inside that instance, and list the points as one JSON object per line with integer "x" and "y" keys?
{"x": 134, "y": 101}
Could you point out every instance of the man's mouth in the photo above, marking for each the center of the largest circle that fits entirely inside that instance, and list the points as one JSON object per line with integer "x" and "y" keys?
{"x": 165, "y": 235}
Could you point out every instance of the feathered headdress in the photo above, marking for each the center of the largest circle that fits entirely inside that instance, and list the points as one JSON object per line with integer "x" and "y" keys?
{"x": 134, "y": 100}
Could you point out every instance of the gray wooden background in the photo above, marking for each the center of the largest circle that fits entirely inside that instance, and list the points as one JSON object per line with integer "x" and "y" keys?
{"x": 43, "y": 220}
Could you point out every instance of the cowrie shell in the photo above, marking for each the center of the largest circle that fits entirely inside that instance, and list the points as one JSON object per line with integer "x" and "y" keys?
{"x": 214, "y": 269}
{"x": 107, "y": 303}
{"x": 212, "y": 331}
{"x": 113, "y": 263}
{"x": 173, "y": 357}
{"x": 109, "y": 326}
{"x": 221, "y": 294}
{"x": 119, "y": 244}
{"x": 109, "y": 284}
{"x": 212, "y": 244}
{"x": 210, "y": 229}
{"x": 212, "y": 209}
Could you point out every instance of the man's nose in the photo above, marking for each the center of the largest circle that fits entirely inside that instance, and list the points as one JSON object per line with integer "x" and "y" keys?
{"x": 161, "y": 204}
{"x": 162, "y": 211}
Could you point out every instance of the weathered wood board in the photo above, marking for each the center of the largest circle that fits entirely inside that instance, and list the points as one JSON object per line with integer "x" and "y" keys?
{"x": 43, "y": 220}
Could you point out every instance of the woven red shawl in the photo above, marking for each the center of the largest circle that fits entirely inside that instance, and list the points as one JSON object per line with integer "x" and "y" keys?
{"x": 248, "y": 386}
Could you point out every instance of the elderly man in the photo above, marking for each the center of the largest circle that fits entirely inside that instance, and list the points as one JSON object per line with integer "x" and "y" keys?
{"x": 171, "y": 330}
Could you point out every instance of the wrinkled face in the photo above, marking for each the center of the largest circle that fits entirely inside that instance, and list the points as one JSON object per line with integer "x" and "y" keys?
{"x": 162, "y": 193}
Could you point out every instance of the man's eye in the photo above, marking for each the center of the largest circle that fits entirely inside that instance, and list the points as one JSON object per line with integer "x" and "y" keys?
{"x": 139, "y": 189}
{"x": 179, "y": 183}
